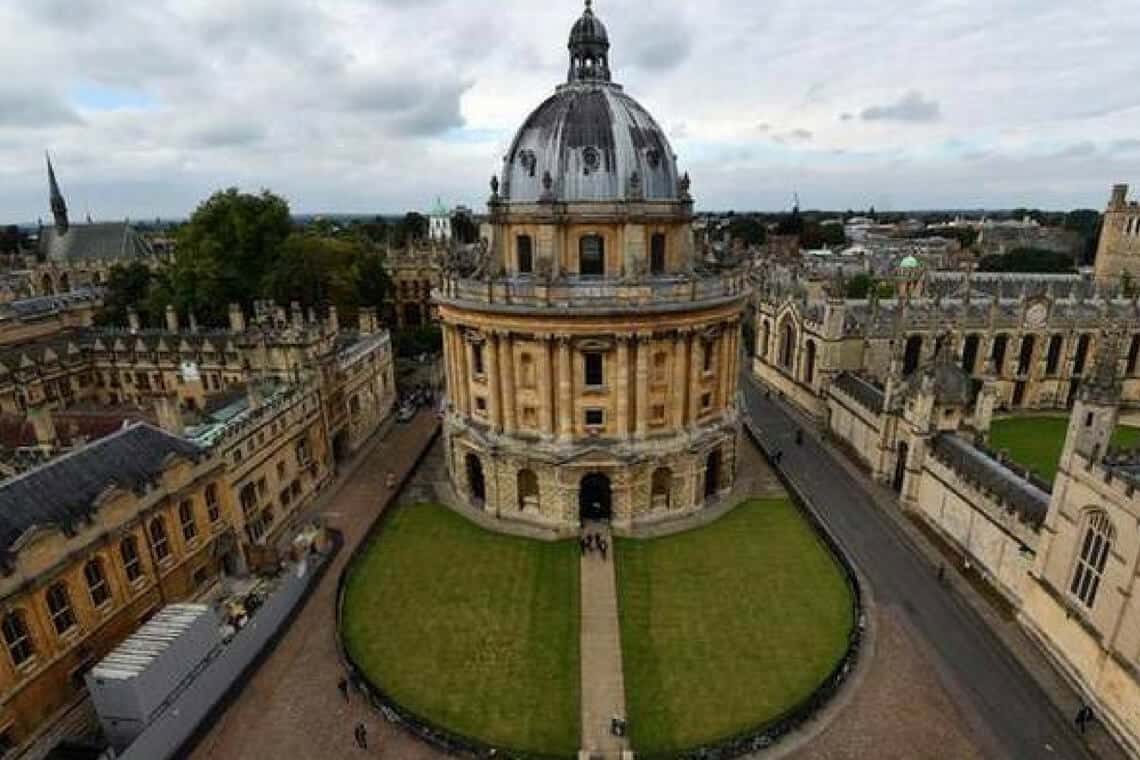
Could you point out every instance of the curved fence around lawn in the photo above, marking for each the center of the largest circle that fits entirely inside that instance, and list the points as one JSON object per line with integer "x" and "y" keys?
{"x": 432, "y": 733}
{"x": 770, "y": 732}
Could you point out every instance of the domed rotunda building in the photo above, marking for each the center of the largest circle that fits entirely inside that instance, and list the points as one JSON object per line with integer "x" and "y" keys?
{"x": 591, "y": 352}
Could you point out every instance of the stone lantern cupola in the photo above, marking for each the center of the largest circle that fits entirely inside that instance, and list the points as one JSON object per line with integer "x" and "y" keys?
{"x": 589, "y": 49}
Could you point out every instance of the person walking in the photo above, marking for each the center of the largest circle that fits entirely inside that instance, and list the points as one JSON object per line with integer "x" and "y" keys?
{"x": 942, "y": 573}
{"x": 602, "y": 547}
{"x": 342, "y": 684}
{"x": 582, "y": 543}
{"x": 361, "y": 736}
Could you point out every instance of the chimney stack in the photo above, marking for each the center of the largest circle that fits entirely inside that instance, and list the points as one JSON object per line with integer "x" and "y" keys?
{"x": 44, "y": 427}
{"x": 297, "y": 315}
{"x": 133, "y": 320}
{"x": 1119, "y": 197}
{"x": 168, "y": 414}
{"x": 193, "y": 323}
{"x": 367, "y": 320}
{"x": 171, "y": 319}
{"x": 237, "y": 318}
{"x": 334, "y": 321}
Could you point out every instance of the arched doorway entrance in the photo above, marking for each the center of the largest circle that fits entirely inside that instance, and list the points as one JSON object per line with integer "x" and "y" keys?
{"x": 900, "y": 468}
{"x": 475, "y": 479}
{"x": 595, "y": 498}
{"x": 712, "y": 474}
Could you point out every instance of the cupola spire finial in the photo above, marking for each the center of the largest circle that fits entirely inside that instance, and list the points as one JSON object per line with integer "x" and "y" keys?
{"x": 589, "y": 49}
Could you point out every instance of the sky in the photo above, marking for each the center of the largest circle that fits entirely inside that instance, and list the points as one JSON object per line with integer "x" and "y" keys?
{"x": 380, "y": 106}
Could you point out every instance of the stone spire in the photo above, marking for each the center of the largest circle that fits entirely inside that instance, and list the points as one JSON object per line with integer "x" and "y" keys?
{"x": 58, "y": 206}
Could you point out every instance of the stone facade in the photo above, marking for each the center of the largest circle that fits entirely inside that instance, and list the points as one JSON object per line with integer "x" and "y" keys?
{"x": 591, "y": 354}
{"x": 1118, "y": 251}
{"x": 414, "y": 272}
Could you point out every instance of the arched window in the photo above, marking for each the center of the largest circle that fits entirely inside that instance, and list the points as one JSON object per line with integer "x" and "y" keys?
{"x": 64, "y": 283}
{"x": 21, "y": 648}
{"x": 657, "y": 254}
{"x": 970, "y": 354}
{"x": 997, "y": 354}
{"x": 59, "y": 607}
{"x": 1094, "y": 549}
{"x": 524, "y": 251}
{"x": 132, "y": 565}
{"x": 528, "y": 490}
{"x": 1133, "y": 354}
{"x": 787, "y": 346}
{"x": 591, "y": 256}
{"x": 96, "y": 582}
{"x": 912, "y": 353}
{"x": 475, "y": 480}
{"x": 1025, "y": 358}
{"x": 661, "y": 486}
{"x": 1082, "y": 355}
{"x": 186, "y": 520}
{"x": 46, "y": 287}
{"x": 1053, "y": 355}
{"x": 712, "y": 474}
{"x": 158, "y": 540}
{"x": 809, "y": 362}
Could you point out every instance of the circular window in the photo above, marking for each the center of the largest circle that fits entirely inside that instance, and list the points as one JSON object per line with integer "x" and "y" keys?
{"x": 591, "y": 158}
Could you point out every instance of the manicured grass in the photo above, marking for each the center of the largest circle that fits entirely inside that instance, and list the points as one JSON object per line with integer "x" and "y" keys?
{"x": 475, "y": 631}
{"x": 726, "y": 627}
{"x": 1036, "y": 442}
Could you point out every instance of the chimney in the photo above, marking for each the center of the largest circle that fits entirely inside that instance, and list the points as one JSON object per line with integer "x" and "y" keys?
{"x": 44, "y": 427}
{"x": 171, "y": 319}
{"x": 237, "y": 318}
{"x": 280, "y": 317}
{"x": 1119, "y": 197}
{"x": 193, "y": 323}
{"x": 133, "y": 319}
{"x": 297, "y": 315}
{"x": 168, "y": 414}
{"x": 367, "y": 320}
{"x": 334, "y": 322}
{"x": 311, "y": 316}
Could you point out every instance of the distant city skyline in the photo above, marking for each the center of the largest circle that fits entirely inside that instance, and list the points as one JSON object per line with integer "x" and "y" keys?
{"x": 379, "y": 106}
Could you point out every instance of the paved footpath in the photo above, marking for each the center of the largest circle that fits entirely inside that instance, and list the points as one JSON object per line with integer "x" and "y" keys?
{"x": 290, "y": 708}
{"x": 603, "y": 688}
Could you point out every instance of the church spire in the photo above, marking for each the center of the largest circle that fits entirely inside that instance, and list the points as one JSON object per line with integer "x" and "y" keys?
{"x": 58, "y": 206}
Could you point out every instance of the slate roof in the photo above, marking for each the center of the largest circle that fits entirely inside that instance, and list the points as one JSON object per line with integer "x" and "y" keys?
{"x": 108, "y": 241}
{"x": 61, "y": 493}
{"x": 865, "y": 393}
{"x": 42, "y": 306}
{"x": 1031, "y": 502}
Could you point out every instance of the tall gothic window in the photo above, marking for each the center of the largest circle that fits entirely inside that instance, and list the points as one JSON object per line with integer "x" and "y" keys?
{"x": 1133, "y": 354}
{"x": 912, "y": 354}
{"x": 787, "y": 346}
{"x": 1053, "y": 355}
{"x": 525, "y": 249}
{"x": 998, "y": 353}
{"x": 1025, "y": 359}
{"x": 1082, "y": 354}
{"x": 1094, "y": 553}
{"x": 970, "y": 354}
{"x": 591, "y": 256}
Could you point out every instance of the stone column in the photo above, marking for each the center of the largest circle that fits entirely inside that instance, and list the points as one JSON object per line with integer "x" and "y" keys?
{"x": 449, "y": 359}
{"x": 623, "y": 386}
{"x": 696, "y": 369}
{"x": 548, "y": 392}
{"x": 724, "y": 364}
{"x": 494, "y": 406}
{"x": 507, "y": 365}
{"x": 680, "y": 373}
{"x": 565, "y": 398}
{"x": 642, "y": 388}
{"x": 463, "y": 379}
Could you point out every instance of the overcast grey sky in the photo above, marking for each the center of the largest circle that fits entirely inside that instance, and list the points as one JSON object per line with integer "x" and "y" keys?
{"x": 381, "y": 105}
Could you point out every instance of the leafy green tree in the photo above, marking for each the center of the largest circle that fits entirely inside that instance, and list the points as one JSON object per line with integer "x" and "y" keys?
{"x": 860, "y": 285}
{"x": 371, "y": 282}
{"x": 12, "y": 239}
{"x": 315, "y": 271}
{"x": 1086, "y": 222}
{"x": 225, "y": 250}
{"x": 1028, "y": 260}
{"x": 748, "y": 229}
{"x": 464, "y": 229}
{"x": 127, "y": 285}
{"x": 425, "y": 339}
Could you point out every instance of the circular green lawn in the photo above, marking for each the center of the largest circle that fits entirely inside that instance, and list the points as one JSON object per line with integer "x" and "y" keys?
{"x": 473, "y": 631}
{"x": 727, "y": 627}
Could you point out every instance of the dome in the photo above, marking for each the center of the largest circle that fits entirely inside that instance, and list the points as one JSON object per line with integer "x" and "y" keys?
{"x": 590, "y": 141}
{"x": 910, "y": 262}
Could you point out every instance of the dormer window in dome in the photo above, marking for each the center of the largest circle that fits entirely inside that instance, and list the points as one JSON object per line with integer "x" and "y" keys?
{"x": 528, "y": 161}
{"x": 591, "y": 159}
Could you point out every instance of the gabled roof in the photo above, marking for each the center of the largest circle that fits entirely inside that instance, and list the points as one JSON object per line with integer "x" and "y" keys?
{"x": 1030, "y": 502}
{"x": 63, "y": 492}
{"x": 109, "y": 241}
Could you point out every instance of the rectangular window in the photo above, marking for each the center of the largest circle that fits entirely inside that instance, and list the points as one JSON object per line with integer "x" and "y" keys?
{"x": 707, "y": 358}
{"x": 213, "y": 508}
{"x": 595, "y": 417}
{"x": 96, "y": 582}
{"x": 480, "y": 404}
{"x": 658, "y": 413}
{"x": 525, "y": 254}
{"x": 477, "y": 359}
{"x": 706, "y": 401}
{"x": 248, "y": 498}
{"x": 186, "y": 518}
{"x": 16, "y": 638}
{"x": 657, "y": 254}
{"x": 59, "y": 605}
{"x": 158, "y": 539}
{"x": 129, "y": 551}
{"x": 595, "y": 363}
{"x": 591, "y": 256}
{"x": 304, "y": 455}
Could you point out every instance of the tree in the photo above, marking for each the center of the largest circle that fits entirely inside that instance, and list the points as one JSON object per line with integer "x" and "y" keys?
{"x": 1086, "y": 222}
{"x": 314, "y": 271}
{"x": 1028, "y": 260}
{"x": 463, "y": 228}
{"x": 224, "y": 251}
{"x": 371, "y": 282}
{"x": 12, "y": 239}
{"x": 128, "y": 285}
{"x": 792, "y": 224}
{"x": 748, "y": 229}
{"x": 860, "y": 285}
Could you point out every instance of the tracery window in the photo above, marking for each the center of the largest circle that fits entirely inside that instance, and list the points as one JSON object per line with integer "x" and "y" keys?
{"x": 1098, "y": 537}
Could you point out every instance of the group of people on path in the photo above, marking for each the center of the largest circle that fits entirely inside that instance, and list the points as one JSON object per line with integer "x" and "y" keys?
{"x": 359, "y": 731}
{"x": 592, "y": 541}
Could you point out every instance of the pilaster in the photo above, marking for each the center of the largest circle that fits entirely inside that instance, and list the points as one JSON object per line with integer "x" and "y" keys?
{"x": 623, "y": 385}
{"x": 642, "y": 384}
{"x": 565, "y": 399}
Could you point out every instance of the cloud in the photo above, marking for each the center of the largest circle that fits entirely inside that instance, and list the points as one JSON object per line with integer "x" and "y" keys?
{"x": 846, "y": 116}
{"x": 224, "y": 134}
{"x": 1126, "y": 145}
{"x": 659, "y": 45}
{"x": 1076, "y": 150}
{"x": 35, "y": 110}
{"x": 910, "y": 107}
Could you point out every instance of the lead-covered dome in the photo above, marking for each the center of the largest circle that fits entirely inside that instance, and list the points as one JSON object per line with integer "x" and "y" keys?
{"x": 590, "y": 141}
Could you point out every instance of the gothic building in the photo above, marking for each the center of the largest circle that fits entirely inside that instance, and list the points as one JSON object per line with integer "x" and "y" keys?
{"x": 591, "y": 354}
{"x": 1118, "y": 251}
